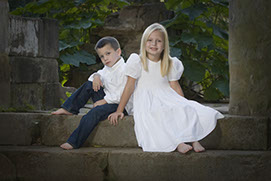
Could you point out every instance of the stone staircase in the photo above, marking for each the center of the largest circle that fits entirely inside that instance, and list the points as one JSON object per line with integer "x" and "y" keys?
{"x": 29, "y": 150}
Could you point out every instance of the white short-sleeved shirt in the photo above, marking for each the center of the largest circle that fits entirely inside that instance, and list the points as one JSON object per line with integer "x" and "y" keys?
{"x": 114, "y": 81}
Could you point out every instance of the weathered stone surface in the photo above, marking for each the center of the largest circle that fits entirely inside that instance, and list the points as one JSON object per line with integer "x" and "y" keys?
{"x": 136, "y": 17}
{"x": 239, "y": 133}
{"x": 134, "y": 164}
{"x": 7, "y": 169}
{"x": 41, "y": 96}
{"x": 4, "y": 30}
{"x": 34, "y": 80}
{"x": 24, "y": 36}
{"x": 50, "y": 163}
{"x": 23, "y": 95}
{"x": 232, "y": 132}
{"x": 269, "y": 134}
{"x": 56, "y": 129}
{"x": 51, "y": 96}
{"x": 33, "y": 70}
{"x": 4, "y": 60}
{"x": 18, "y": 129}
{"x": 48, "y": 38}
{"x": 4, "y": 81}
{"x": 41, "y": 163}
{"x": 128, "y": 24}
{"x": 33, "y": 37}
{"x": 249, "y": 57}
{"x": 122, "y": 135}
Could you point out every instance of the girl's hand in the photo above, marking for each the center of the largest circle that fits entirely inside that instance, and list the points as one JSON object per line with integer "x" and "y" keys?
{"x": 113, "y": 118}
{"x": 97, "y": 83}
{"x": 99, "y": 103}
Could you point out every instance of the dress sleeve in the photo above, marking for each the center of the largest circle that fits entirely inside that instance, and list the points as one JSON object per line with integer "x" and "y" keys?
{"x": 133, "y": 66}
{"x": 176, "y": 70}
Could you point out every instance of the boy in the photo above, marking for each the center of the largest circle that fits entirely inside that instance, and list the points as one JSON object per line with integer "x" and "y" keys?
{"x": 104, "y": 87}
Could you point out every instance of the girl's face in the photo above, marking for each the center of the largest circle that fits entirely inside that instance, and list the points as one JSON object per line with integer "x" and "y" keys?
{"x": 155, "y": 45}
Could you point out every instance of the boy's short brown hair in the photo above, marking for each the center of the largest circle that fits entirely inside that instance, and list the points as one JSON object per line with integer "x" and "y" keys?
{"x": 107, "y": 40}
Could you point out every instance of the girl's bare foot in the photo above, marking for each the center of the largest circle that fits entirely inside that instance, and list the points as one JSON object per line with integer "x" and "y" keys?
{"x": 198, "y": 147}
{"x": 66, "y": 146}
{"x": 61, "y": 111}
{"x": 184, "y": 148}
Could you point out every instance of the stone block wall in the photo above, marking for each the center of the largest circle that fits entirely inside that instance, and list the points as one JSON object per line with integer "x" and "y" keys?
{"x": 33, "y": 37}
{"x": 4, "y": 59}
{"x": 4, "y": 9}
{"x": 4, "y": 81}
{"x": 34, "y": 69}
{"x": 29, "y": 69}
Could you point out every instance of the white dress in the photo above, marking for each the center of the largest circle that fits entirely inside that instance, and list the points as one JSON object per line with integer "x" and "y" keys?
{"x": 163, "y": 118}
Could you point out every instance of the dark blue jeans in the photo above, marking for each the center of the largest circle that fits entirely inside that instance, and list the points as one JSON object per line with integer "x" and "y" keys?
{"x": 89, "y": 121}
{"x": 81, "y": 96}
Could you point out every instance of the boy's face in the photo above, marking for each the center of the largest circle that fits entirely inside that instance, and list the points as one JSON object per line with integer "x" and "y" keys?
{"x": 108, "y": 55}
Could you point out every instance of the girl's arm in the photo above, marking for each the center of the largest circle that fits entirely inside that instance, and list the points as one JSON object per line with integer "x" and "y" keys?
{"x": 127, "y": 92}
{"x": 176, "y": 86}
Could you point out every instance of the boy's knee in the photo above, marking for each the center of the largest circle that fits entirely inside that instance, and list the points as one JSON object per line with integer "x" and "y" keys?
{"x": 95, "y": 112}
{"x": 89, "y": 84}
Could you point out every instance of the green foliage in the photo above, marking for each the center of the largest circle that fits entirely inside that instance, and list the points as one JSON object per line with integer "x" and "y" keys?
{"x": 76, "y": 20}
{"x": 201, "y": 42}
{"x": 68, "y": 94}
{"x": 81, "y": 55}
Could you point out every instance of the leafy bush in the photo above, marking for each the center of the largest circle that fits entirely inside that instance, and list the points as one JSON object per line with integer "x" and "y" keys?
{"x": 202, "y": 45}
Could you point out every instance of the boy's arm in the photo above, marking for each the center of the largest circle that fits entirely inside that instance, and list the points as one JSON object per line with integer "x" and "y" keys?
{"x": 95, "y": 78}
{"x": 127, "y": 92}
{"x": 176, "y": 86}
{"x": 97, "y": 83}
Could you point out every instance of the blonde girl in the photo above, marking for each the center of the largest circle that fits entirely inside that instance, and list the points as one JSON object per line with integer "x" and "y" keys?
{"x": 164, "y": 119}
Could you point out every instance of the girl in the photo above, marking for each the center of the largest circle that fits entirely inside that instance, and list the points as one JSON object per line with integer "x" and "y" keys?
{"x": 164, "y": 119}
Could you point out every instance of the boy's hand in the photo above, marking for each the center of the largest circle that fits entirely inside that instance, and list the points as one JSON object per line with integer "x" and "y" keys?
{"x": 113, "y": 118}
{"x": 99, "y": 103}
{"x": 97, "y": 83}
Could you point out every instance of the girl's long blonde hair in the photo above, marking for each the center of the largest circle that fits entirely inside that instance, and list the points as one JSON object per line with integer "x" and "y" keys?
{"x": 165, "y": 57}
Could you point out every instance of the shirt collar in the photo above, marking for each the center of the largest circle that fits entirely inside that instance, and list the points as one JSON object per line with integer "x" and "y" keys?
{"x": 116, "y": 65}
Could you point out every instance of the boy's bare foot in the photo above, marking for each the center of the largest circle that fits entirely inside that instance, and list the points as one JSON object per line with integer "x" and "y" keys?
{"x": 184, "y": 148}
{"x": 61, "y": 111}
{"x": 66, "y": 146}
{"x": 198, "y": 147}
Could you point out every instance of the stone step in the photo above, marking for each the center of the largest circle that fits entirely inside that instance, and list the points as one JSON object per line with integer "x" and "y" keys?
{"x": 131, "y": 164}
{"x": 221, "y": 107}
{"x": 232, "y": 132}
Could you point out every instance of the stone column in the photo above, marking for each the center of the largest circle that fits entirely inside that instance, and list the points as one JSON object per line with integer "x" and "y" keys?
{"x": 4, "y": 59}
{"x": 250, "y": 57}
{"x": 34, "y": 68}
